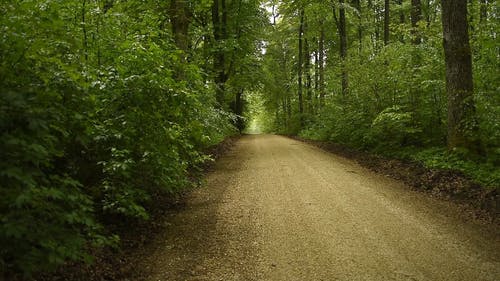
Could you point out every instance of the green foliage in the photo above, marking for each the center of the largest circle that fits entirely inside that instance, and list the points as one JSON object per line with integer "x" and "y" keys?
{"x": 396, "y": 102}
{"x": 99, "y": 113}
{"x": 481, "y": 172}
{"x": 393, "y": 126}
{"x": 45, "y": 213}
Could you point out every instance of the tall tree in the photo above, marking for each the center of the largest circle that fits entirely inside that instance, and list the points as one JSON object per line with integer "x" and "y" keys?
{"x": 387, "y": 19}
{"x": 219, "y": 21}
{"x": 301, "y": 59}
{"x": 321, "y": 62}
{"x": 462, "y": 123}
{"x": 180, "y": 20}
{"x": 416, "y": 16}
{"x": 342, "y": 29}
{"x": 357, "y": 5}
{"x": 307, "y": 68}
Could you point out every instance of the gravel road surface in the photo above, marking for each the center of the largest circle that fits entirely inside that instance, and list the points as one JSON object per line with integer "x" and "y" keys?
{"x": 279, "y": 209}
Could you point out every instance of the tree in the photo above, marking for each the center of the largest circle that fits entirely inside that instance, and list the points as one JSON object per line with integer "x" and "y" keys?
{"x": 301, "y": 61}
{"x": 342, "y": 29}
{"x": 462, "y": 123}
{"x": 321, "y": 63}
{"x": 415, "y": 16}
{"x": 357, "y": 5}
{"x": 219, "y": 22}
{"x": 387, "y": 20}
{"x": 180, "y": 20}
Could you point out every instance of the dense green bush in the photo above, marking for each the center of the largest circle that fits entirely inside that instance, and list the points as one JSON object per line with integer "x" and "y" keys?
{"x": 99, "y": 112}
{"x": 394, "y": 126}
{"x": 481, "y": 172}
{"x": 46, "y": 216}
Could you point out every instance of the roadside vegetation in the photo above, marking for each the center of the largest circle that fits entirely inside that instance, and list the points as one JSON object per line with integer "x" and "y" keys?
{"x": 376, "y": 76}
{"x": 106, "y": 106}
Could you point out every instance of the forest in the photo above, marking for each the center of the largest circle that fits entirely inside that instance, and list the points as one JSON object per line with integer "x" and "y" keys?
{"x": 107, "y": 105}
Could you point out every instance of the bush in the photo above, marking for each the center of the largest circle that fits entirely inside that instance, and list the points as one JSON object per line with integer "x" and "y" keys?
{"x": 91, "y": 129}
{"x": 47, "y": 217}
{"x": 394, "y": 126}
{"x": 479, "y": 171}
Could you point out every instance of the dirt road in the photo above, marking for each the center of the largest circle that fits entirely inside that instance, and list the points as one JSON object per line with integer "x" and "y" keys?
{"x": 279, "y": 209}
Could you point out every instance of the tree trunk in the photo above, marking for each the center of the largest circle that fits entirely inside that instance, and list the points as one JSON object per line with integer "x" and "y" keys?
{"x": 288, "y": 111}
{"x": 307, "y": 68}
{"x": 220, "y": 35}
{"x": 416, "y": 16}
{"x": 179, "y": 17}
{"x": 301, "y": 57}
{"x": 84, "y": 30}
{"x": 401, "y": 12}
{"x": 343, "y": 48}
{"x": 401, "y": 18}
{"x": 321, "y": 61}
{"x": 386, "y": 22}
{"x": 357, "y": 5}
{"x": 238, "y": 110}
{"x": 285, "y": 119}
{"x": 462, "y": 123}
{"x": 316, "y": 75}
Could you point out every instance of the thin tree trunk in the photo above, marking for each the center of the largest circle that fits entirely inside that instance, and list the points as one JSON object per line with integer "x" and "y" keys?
{"x": 357, "y": 5}
{"x": 307, "y": 68}
{"x": 224, "y": 19}
{"x": 179, "y": 18}
{"x": 402, "y": 18}
{"x": 274, "y": 15}
{"x": 386, "y": 22}
{"x": 238, "y": 110}
{"x": 84, "y": 30}
{"x": 321, "y": 58}
{"x": 462, "y": 123}
{"x": 376, "y": 23}
{"x": 342, "y": 31}
{"x": 316, "y": 75}
{"x": 285, "y": 121}
{"x": 288, "y": 111}
{"x": 343, "y": 48}
{"x": 416, "y": 16}
{"x": 219, "y": 31}
{"x": 98, "y": 40}
{"x": 301, "y": 57}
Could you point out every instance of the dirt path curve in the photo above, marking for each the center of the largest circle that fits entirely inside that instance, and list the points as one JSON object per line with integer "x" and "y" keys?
{"x": 279, "y": 209}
